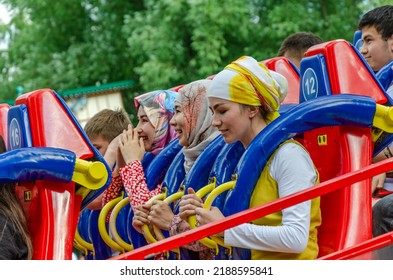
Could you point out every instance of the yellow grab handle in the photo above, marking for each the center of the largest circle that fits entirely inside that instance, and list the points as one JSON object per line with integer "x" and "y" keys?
{"x": 112, "y": 224}
{"x": 80, "y": 248}
{"x": 170, "y": 199}
{"x": 83, "y": 243}
{"x": 148, "y": 235}
{"x": 208, "y": 203}
{"x": 145, "y": 229}
{"x": 192, "y": 219}
{"x": 213, "y": 241}
{"x": 102, "y": 225}
{"x": 174, "y": 197}
{"x": 217, "y": 191}
{"x": 90, "y": 174}
{"x": 202, "y": 192}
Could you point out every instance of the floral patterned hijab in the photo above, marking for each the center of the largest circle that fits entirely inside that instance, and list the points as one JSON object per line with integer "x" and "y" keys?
{"x": 158, "y": 106}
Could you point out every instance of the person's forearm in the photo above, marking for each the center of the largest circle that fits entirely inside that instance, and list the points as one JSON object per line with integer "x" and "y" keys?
{"x": 96, "y": 203}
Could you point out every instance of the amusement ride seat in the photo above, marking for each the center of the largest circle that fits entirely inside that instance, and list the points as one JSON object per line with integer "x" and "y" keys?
{"x": 42, "y": 119}
{"x": 337, "y": 67}
{"x": 121, "y": 238}
{"x": 331, "y": 135}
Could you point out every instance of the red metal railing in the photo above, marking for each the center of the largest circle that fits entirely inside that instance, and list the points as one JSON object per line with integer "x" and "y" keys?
{"x": 266, "y": 209}
{"x": 361, "y": 248}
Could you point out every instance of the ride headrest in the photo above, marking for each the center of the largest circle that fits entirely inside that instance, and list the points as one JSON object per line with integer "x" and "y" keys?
{"x": 286, "y": 68}
{"x": 357, "y": 39}
{"x": 314, "y": 78}
{"x": 52, "y": 123}
{"x": 348, "y": 72}
{"x": 19, "y": 135}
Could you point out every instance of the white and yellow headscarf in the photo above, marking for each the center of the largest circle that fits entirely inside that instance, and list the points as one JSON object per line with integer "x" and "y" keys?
{"x": 247, "y": 81}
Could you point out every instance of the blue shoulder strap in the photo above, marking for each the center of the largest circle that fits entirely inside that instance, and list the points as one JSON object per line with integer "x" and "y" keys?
{"x": 385, "y": 75}
{"x": 158, "y": 167}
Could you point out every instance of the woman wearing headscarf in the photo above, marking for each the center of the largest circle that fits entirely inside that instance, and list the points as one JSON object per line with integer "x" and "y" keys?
{"x": 245, "y": 98}
{"x": 192, "y": 122}
{"x": 152, "y": 134}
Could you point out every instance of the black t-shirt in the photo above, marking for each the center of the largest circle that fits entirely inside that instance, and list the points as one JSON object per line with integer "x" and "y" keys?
{"x": 12, "y": 246}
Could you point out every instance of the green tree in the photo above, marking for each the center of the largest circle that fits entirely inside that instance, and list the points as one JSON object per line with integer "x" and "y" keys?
{"x": 157, "y": 43}
{"x": 174, "y": 42}
{"x": 65, "y": 44}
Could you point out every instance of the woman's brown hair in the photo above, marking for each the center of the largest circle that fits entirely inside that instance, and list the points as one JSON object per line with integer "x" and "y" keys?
{"x": 12, "y": 208}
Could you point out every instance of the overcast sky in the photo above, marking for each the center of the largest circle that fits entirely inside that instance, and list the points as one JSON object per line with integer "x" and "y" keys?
{"x": 4, "y": 18}
{"x": 4, "y": 14}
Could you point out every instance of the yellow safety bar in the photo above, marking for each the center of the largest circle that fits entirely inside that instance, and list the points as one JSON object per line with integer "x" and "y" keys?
{"x": 209, "y": 201}
{"x": 112, "y": 224}
{"x": 157, "y": 231}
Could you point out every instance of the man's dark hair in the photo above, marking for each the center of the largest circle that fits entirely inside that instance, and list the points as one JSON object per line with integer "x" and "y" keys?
{"x": 381, "y": 18}
{"x": 298, "y": 43}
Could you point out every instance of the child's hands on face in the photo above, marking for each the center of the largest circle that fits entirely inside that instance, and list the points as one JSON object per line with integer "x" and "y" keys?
{"x": 112, "y": 151}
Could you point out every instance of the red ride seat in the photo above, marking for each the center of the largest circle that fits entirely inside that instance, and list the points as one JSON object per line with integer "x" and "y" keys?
{"x": 336, "y": 67}
{"x": 42, "y": 119}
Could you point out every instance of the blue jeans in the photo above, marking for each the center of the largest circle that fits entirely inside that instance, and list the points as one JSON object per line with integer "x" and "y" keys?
{"x": 383, "y": 222}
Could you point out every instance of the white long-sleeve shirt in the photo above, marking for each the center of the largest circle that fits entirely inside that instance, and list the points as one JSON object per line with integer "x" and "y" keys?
{"x": 293, "y": 171}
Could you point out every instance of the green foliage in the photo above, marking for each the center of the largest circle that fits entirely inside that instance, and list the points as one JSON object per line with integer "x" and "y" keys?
{"x": 65, "y": 44}
{"x": 158, "y": 43}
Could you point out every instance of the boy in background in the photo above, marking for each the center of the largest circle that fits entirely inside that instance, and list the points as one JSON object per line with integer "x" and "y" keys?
{"x": 295, "y": 46}
{"x": 377, "y": 36}
{"x": 102, "y": 129}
